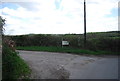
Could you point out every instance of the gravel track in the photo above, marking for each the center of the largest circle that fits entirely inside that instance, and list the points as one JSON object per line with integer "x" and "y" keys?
{"x": 48, "y": 65}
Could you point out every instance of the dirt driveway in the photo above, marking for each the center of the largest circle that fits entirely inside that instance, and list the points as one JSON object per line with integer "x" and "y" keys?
{"x": 48, "y": 65}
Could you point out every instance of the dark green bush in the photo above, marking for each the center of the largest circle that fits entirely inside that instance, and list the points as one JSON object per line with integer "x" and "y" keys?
{"x": 13, "y": 67}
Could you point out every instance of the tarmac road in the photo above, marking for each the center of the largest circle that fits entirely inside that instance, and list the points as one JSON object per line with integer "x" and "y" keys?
{"x": 48, "y": 65}
{"x": 0, "y": 63}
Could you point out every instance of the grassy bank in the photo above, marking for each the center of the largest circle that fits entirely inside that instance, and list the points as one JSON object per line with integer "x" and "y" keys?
{"x": 13, "y": 67}
{"x": 65, "y": 50}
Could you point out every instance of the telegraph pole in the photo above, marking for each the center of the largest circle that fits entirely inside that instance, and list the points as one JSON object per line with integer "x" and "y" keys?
{"x": 84, "y": 23}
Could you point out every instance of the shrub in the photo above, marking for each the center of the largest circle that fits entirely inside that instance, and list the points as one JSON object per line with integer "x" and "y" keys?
{"x": 13, "y": 67}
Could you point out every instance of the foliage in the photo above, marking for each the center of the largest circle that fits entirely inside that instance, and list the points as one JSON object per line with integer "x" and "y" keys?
{"x": 107, "y": 41}
{"x": 37, "y": 40}
{"x": 13, "y": 67}
{"x": 2, "y": 23}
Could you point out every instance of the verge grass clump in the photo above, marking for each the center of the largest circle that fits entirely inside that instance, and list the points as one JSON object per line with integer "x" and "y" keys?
{"x": 66, "y": 50}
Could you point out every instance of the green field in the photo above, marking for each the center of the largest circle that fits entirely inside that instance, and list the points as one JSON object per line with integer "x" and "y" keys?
{"x": 65, "y": 50}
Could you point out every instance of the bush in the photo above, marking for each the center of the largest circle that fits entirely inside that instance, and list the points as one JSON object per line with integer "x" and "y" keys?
{"x": 13, "y": 67}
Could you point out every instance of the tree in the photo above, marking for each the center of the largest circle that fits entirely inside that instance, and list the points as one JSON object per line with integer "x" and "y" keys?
{"x": 2, "y": 23}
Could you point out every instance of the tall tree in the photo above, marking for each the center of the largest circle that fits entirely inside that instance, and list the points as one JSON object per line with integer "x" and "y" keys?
{"x": 2, "y": 23}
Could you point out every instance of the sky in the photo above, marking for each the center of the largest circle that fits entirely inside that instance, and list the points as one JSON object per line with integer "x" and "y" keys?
{"x": 58, "y": 16}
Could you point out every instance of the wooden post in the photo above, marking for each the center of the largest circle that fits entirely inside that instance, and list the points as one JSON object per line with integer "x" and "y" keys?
{"x": 84, "y": 23}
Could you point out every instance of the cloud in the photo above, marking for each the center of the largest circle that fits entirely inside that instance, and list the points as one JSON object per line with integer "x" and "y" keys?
{"x": 30, "y": 6}
{"x": 60, "y": 16}
{"x": 119, "y": 16}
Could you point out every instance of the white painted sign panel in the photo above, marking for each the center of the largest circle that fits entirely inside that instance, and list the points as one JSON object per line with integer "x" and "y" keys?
{"x": 65, "y": 43}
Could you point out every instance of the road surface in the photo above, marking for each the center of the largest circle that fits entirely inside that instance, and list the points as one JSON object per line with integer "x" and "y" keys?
{"x": 0, "y": 63}
{"x": 48, "y": 65}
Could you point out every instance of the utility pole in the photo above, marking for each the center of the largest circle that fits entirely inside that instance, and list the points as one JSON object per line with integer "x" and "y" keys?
{"x": 84, "y": 23}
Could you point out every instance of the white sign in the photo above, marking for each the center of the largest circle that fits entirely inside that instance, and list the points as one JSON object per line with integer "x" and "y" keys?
{"x": 65, "y": 43}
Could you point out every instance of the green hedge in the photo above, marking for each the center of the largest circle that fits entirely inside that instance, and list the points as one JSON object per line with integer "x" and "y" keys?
{"x": 107, "y": 41}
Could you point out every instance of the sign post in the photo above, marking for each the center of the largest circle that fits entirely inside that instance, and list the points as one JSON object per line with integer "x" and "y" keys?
{"x": 65, "y": 43}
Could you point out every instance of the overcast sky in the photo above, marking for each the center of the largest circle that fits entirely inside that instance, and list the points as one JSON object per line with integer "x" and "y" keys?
{"x": 59, "y": 16}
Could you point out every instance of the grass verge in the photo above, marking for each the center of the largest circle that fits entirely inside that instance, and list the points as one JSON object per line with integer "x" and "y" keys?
{"x": 65, "y": 50}
{"x": 13, "y": 67}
